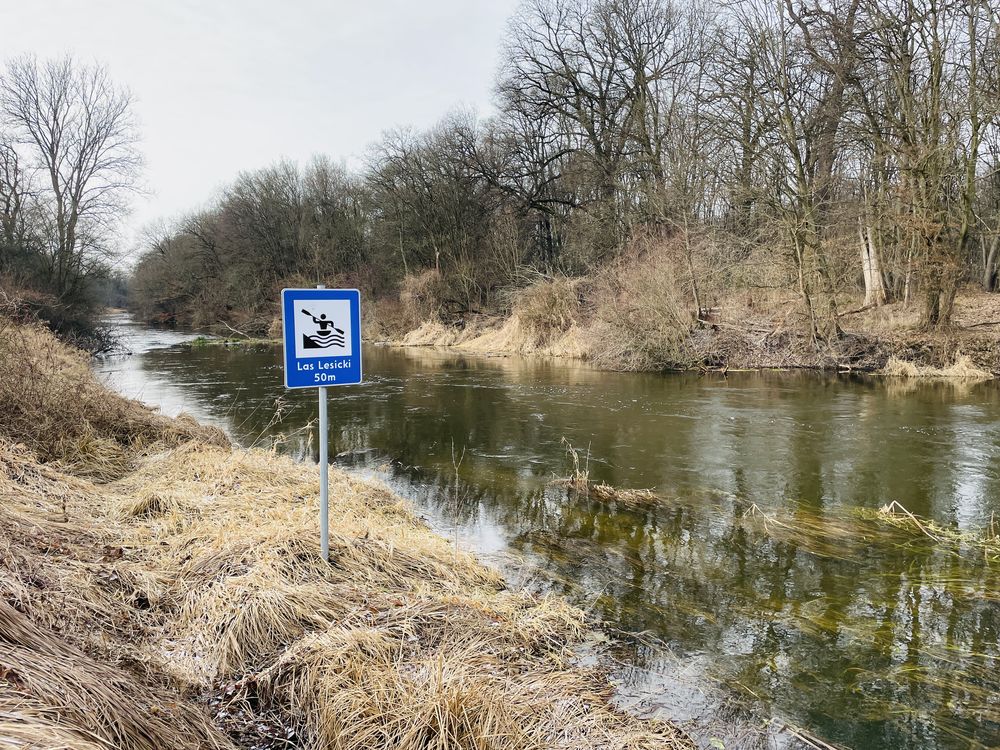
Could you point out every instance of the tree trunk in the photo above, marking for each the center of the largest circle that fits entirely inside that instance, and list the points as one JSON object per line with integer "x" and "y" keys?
{"x": 990, "y": 265}
{"x": 932, "y": 308}
{"x": 907, "y": 285}
{"x": 871, "y": 268}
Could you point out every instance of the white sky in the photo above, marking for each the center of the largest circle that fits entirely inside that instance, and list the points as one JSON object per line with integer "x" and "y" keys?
{"x": 227, "y": 85}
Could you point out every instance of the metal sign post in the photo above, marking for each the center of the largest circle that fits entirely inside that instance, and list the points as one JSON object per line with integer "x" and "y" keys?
{"x": 322, "y": 339}
{"x": 324, "y": 478}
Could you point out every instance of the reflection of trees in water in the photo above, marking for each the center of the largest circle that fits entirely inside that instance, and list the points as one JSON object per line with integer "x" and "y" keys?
{"x": 820, "y": 629}
{"x": 812, "y": 438}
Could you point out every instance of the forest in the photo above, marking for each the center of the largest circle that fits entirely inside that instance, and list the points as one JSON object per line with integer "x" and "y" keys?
{"x": 654, "y": 164}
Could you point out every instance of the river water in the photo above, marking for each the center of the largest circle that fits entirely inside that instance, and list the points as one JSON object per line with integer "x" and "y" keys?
{"x": 762, "y": 584}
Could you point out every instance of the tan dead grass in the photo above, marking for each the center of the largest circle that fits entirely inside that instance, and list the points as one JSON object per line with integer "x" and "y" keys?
{"x": 202, "y": 566}
{"x": 51, "y": 401}
{"x": 434, "y": 333}
{"x": 28, "y": 724}
{"x": 42, "y": 675}
{"x": 400, "y": 641}
{"x": 962, "y": 368}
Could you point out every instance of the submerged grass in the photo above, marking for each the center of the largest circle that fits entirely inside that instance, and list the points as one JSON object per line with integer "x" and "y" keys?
{"x": 621, "y": 496}
{"x": 986, "y": 539}
{"x": 246, "y": 342}
{"x": 892, "y": 525}
{"x": 579, "y": 482}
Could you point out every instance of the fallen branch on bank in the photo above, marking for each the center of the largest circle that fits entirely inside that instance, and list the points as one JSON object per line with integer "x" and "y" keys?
{"x": 234, "y": 330}
{"x": 985, "y": 323}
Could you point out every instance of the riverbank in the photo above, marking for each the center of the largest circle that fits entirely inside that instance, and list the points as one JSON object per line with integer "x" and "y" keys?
{"x": 161, "y": 589}
{"x": 622, "y": 320}
{"x": 737, "y": 335}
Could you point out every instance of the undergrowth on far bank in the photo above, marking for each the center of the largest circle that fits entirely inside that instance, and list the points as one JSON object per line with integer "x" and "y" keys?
{"x": 642, "y": 313}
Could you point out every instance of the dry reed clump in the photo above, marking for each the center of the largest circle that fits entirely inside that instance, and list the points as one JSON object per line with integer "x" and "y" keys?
{"x": 549, "y": 308}
{"x": 962, "y": 368}
{"x": 93, "y": 699}
{"x": 422, "y": 295}
{"x": 52, "y": 402}
{"x": 633, "y": 498}
{"x": 64, "y": 622}
{"x": 579, "y": 482}
{"x": 622, "y": 496}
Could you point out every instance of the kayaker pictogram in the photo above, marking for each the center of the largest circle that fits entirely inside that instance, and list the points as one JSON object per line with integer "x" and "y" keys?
{"x": 327, "y": 336}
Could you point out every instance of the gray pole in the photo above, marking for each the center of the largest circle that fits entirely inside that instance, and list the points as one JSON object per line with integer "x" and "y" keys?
{"x": 324, "y": 475}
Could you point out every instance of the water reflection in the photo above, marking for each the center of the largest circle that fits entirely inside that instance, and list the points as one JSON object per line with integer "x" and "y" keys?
{"x": 758, "y": 569}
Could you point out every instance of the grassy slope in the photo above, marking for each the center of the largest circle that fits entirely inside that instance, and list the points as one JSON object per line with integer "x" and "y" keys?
{"x": 159, "y": 589}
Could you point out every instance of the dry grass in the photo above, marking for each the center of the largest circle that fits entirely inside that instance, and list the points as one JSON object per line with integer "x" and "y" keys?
{"x": 961, "y": 368}
{"x": 364, "y": 687}
{"x": 95, "y": 699}
{"x": 400, "y": 641}
{"x": 27, "y": 724}
{"x": 51, "y": 401}
{"x": 549, "y": 308}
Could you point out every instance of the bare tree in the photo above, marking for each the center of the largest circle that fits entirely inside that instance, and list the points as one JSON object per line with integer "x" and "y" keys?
{"x": 825, "y": 148}
{"x": 15, "y": 205}
{"x": 76, "y": 125}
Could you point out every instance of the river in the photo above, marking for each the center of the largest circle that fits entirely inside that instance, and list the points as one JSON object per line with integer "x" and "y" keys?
{"x": 762, "y": 583}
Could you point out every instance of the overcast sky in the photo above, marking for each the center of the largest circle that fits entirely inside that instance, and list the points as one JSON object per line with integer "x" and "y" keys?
{"x": 227, "y": 85}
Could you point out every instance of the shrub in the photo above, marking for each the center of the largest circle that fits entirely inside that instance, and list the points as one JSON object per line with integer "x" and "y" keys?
{"x": 388, "y": 319}
{"x": 423, "y": 295}
{"x": 549, "y": 307}
{"x": 642, "y": 319}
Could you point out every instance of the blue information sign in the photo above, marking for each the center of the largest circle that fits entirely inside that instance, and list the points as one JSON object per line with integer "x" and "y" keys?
{"x": 322, "y": 337}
